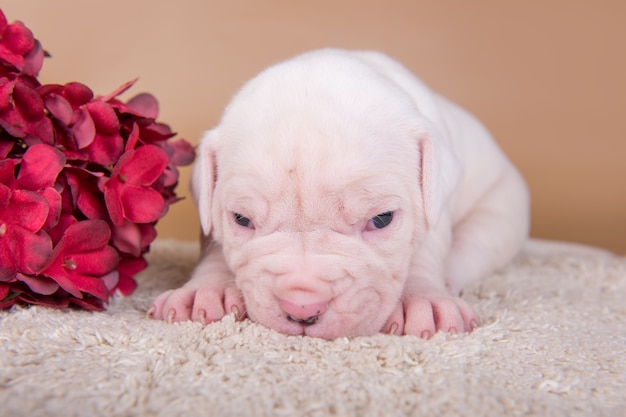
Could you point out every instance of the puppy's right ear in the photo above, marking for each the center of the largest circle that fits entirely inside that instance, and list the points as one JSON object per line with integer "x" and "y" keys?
{"x": 203, "y": 177}
{"x": 440, "y": 174}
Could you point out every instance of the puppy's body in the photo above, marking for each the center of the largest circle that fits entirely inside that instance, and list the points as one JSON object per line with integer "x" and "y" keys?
{"x": 339, "y": 196}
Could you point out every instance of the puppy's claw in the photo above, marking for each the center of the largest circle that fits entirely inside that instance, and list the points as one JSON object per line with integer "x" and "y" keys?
{"x": 238, "y": 315}
{"x": 150, "y": 312}
{"x": 394, "y": 328}
{"x": 202, "y": 316}
{"x": 171, "y": 315}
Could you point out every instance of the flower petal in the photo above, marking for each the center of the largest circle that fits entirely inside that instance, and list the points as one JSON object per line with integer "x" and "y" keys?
{"x": 33, "y": 61}
{"x": 40, "y": 167}
{"x": 3, "y": 21}
{"x": 142, "y": 205}
{"x": 54, "y": 204}
{"x": 39, "y": 284}
{"x": 112, "y": 191}
{"x": 111, "y": 280}
{"x": 6, "y": 94}
{"x": 90, "y": 285}
{"x": 32, "y": 250}
{"x": 169, "y": 177}
{"x": 133, "y": 138}
{"x": 145, "y": 166}
{"x": 5, "y": 198}
{"x": 119, "y": 90}
{"x": 77, "y": 284}
{"x": 6, "y": 145}
{"x": 127, "y": 269}
{"x": 148, "y": 234}
{"x": 28, "y": 101}
{"x": 88, "y": 197}
{"x": 106, "y": 149}
{"x": 77, "y": 93}
{"x": 104, "y": 117}
{"x": 40, "y": 132}
{"x": 57, "y": 300}
{"x": 26, "y": 209}
{"x": 56, "y": 232}
{"x": 59, "y": 107}
{"x": 155, "y": 132}
{"x": 127, "y": 238}
{"x": 17, "y": 61}
{"x": 18, "y": 38}
{"x": 96, "y": 263}
{"x": 7, "y": 172}
{"x": 86, "y": 236}
{"x": 144, "y": 105}
{"x": 181, "y": 152}
{"x": 133, "y": 238}
{"x": 88, "y": 303}
{"x": 8, "y": 267}
{"x": 4, "y": 292}
{"x": 83, "y": 129}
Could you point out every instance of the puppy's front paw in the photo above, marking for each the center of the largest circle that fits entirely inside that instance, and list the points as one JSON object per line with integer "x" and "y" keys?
{"x": 204, "y": 304}
{"x": 424, "y": 315}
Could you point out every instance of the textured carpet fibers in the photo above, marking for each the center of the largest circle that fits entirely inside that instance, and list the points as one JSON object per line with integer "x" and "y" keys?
{"x": 552, "y": 343}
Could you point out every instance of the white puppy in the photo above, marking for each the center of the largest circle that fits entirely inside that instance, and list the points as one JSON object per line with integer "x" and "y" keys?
{"x": 339, "y": 196}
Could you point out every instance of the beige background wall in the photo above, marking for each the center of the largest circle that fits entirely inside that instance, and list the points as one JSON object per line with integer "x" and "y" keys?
{"x": 547, "y": 77}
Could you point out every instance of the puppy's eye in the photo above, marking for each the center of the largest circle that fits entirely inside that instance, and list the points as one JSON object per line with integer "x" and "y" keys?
{"x": 382, "y": 220}
{"x": 242, "y": 220}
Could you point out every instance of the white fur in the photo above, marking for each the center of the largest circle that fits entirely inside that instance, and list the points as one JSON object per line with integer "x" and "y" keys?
{"x": 310, "y": 150}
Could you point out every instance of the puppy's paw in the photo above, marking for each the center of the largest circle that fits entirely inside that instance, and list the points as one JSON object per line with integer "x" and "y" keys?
{"x": 425, "y": 315}
{"x": 204, "y": 304}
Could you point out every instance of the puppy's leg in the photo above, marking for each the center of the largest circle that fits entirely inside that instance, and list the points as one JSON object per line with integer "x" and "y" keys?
{"x": 426, "y": 305}
{"x": 209, "y": 294}
{"x": 486, "y": 239}
{"x": 491, "y": 234}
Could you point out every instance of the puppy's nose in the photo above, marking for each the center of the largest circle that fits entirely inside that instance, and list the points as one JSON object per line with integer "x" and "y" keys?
{"x": 306, "y": 314}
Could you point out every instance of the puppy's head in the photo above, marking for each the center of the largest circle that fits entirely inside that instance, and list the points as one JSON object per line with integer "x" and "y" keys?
{"x": 319, "y": 182}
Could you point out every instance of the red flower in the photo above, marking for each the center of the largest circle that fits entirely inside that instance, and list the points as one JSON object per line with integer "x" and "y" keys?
{"x": 24, "y": 247}
{"x": 128, "y": 193}
{"x": 81, "y": 258}
{"x": 22, "y": 112}
{"x": 19, "y": 48}
{"x": 133, "y": 238}
{"x": 83, "y": 181}
{"x": 107, "y": 144}
{"x": 127, "y": 268}
{"x": 40, "y": 167}
{"x": 85, "y": 192}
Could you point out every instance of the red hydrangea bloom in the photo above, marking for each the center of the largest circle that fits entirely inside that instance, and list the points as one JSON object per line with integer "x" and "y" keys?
{"x": 128, "y": 193}
{"x": 24, "y": 247}
{"x": 19, "y": 50}
{"x": 81, "y": 258}
{"x": 127, "y": 268}
{"x": 22, "y": 112}
{"x": 83, "y": 181}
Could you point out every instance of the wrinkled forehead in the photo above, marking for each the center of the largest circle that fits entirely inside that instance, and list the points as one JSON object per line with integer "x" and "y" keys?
{"x": 316, "y": 174}
{"x": 299, "y": 136}
{"x": 316, "y": 148}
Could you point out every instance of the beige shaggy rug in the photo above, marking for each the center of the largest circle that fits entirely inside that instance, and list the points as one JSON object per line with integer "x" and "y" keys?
{"x": 552, "y": 343}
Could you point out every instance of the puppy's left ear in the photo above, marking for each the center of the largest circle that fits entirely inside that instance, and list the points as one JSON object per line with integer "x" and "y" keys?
{"x": 203, "y": 177}
{"x": 440, "y": 174}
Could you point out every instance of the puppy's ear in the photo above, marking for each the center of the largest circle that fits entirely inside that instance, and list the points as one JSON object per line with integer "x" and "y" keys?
{"x": 440, "y": 174}
{"x": 203, "y": 176}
